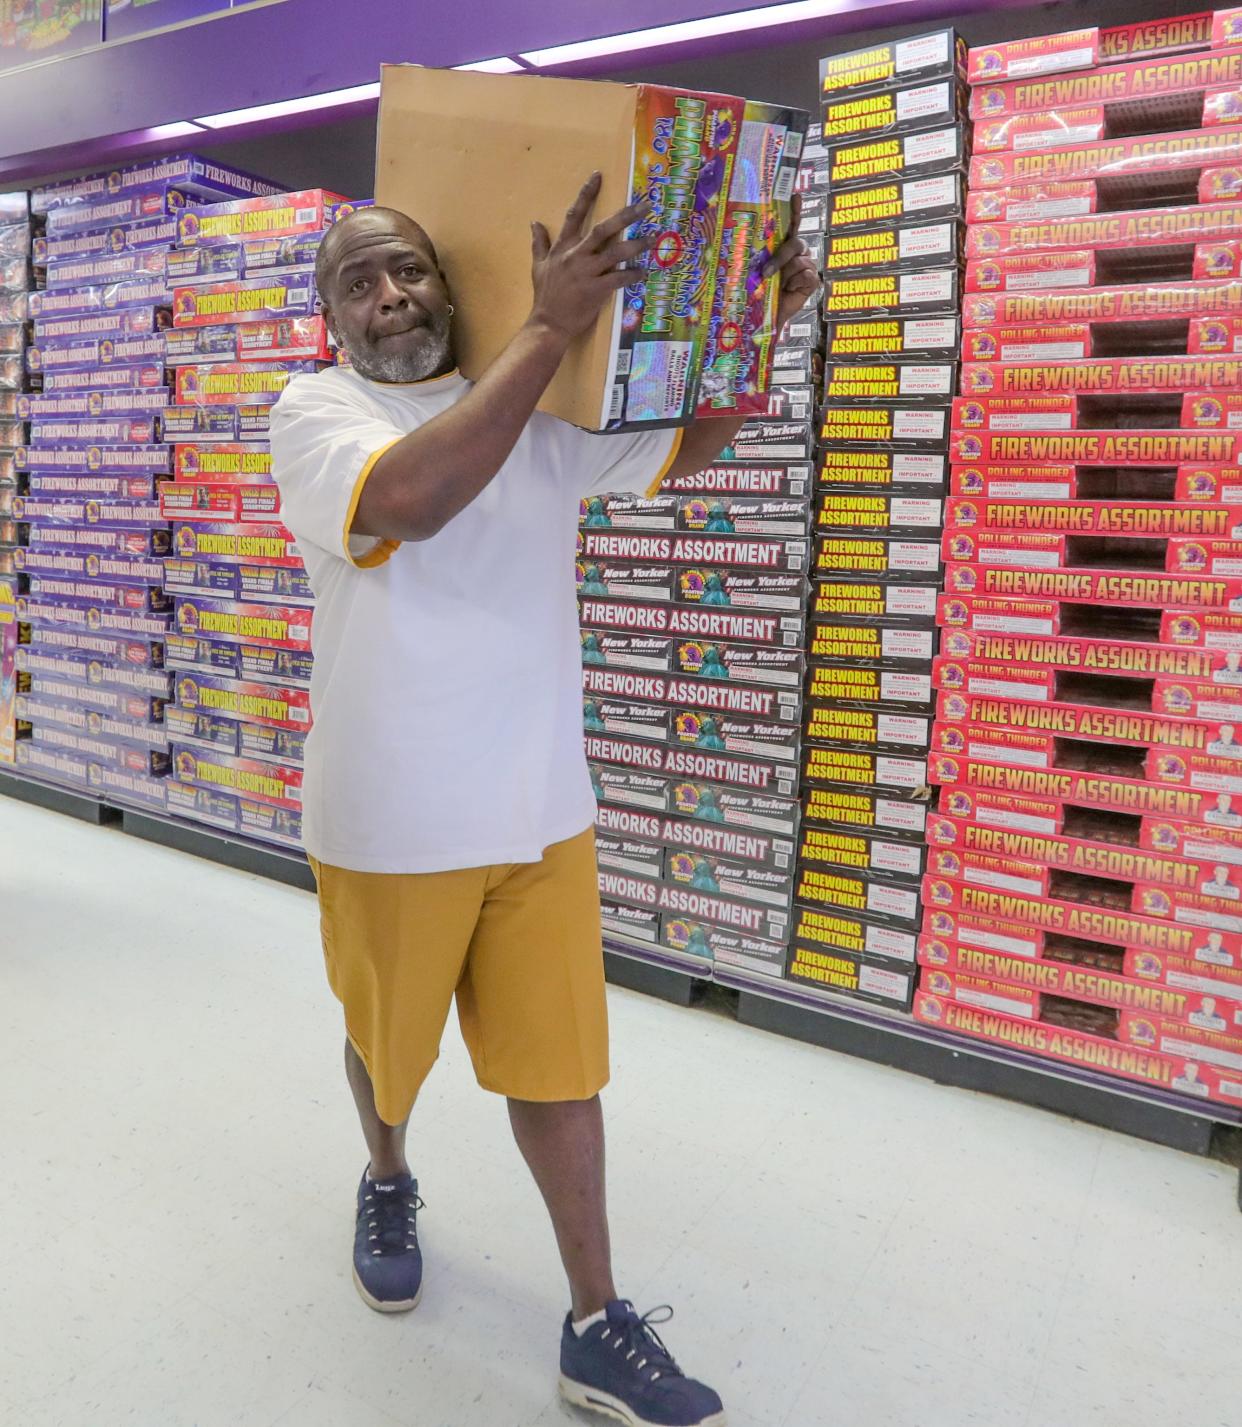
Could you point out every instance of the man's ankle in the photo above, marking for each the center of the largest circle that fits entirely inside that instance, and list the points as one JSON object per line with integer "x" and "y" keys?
{"x": 382, "y": 1171}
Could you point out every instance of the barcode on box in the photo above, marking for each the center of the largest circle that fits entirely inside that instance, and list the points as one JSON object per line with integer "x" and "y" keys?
{"x": 616, "y": 407}
{"x": 305, "y": 215}
{"x": 785, "y": 183}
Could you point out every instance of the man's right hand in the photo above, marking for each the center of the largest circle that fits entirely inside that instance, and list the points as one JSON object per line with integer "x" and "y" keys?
{"x": 575, "y": 275}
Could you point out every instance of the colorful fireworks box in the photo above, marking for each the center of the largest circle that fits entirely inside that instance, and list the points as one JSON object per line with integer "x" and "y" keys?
{"x": 235, "y": 383}
{"x": 851, "y": 468}
{"x": 887, "y": 424}
{"x": 760, "y": 775}
{"x": 272, "y": 625}
{"x": 862, "y": 768}
{"x": 920, "y": 155}
{"x": 279, "y": 215}
{"x": 878, "y": 557}
{"x": 1097, "y": 448}
{"x": 693, "y": 549}
{"x": 1032, "y": 203}
{"x": 1040, "y": 54}
{"x": 759, "y": 480}
{"x": 737, "y": 360}
{"x": 721, "y": 515}
{"x": 888, "y": 644}
{"x": 1168, "y": 227}
{"x": 941, "y": 54}
{"x": 711, "y": 695}
{"x": 694, "y": 838}
{"x": 909, "y": 338}
{"x": 1029, "y": 272}
{"x": 264, "y": 782}
{"x": 866, "y": 729}
{"x": 892, "y": 513}
{"x": 861, "y": 852}
{"x": 1047, "y": 129}
{"x": 889, "y": 381}
{"x": 1139, "y": 156}
{"x": 697, "y": 621}
{"x": 267, "y": 297}
{"x": 899, "y": 691}
{"x": 847, "y": 975}
{"x": 915, "y": 201}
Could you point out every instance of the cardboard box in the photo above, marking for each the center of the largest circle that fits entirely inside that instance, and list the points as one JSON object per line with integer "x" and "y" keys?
{"x": 1060, "y": 342}
{"x": 1167, "y": 227}
{"x": 722, "y": 876}
{"x": 924, "y": 292}
{"x": 760, "y": 775}
{"x": 1144, "y": 302}
{"x": 263, "y": 782}
{"x": 631, "y": 923}
{"x": 1045, "y": 129}
{"x": 1134, "y": 588}
{"x": 1052, "y": 915}
{"x": 120, "y": 322}
{"x": 920, "y": 155}
{"x": 1208, "y": 557}
{"x": 96, "y": 618}
{"x": 1160, "y": 36}
{"x": 1097, "y": 448}
{"x": 123, "y": 238}
{"x": 621, "y": 855}
{"x": 233, "y": 383}
{"x": 1030, "y": 203}
{"x": 879, "y": 557}
{"x": 87, "y": 353}
{"x": 1030, "y": 272}
{"x": 911, "y": 245}
{"x": 693, "y": 549}
{"x": 202, "y": 177}
{"x": 717, "y": 515}
{"x": 1107, "y": 791}
{"x": 709, "y": 695}
{"x": 854, "y": 511}
{"x": 147, "y": 375}
{"x": 269, "y": 822}
{"x": 758, "y": 480}
{"x": 886, "y": 424}
{"x": 84, "y": 566}
{"x": 1209, "y": 629}
{"x": 916, "y": 201}
{"x": 1133, "y": 659}
{"x": 940, "y": 54}
{"x": 863, "y": 600}
{"x": 701, "y": 621}
{"x": 866, "y": 808}
{"x": 763, "y": 439}
{"x": 219, "y": 503}
{"x": 851, "y": 468}
{"x": 625, "y": 580}
{"x": 1156, "y": 520}
{"x": 897, "y": 110}
{"x": 272, "y": 625}
{"x": 1212, "y": 1036}
{"x": 1134, "y": 157}
{"x": 899, "y": 691}
{"x": 856, "y": 767}
{"x": 128, "y": 401}
{"x": 279, "y": 215}
{"x": 270, "y": 544}
{"x": 887, "y": 381}
{"x": 1042, "y": 54}
{"x": 1211, "y": 970}
{"x": 867, "y": 729}
{"x": 1014, "y": 811}
{"x": 89, "y": 593}
{"x": 1142, "y": 80}
{"x": 686, "y": 901}
{"x": 633, "y": 376}
{"x": 893, "y": 645}
{"x": 850, "y": 976}
{"x": 1212, "y": 902}
{"x": 909, "y": 338}
{"x": 247, "y": 301}
{"x": 696, "y": 837}
{"x": 861, "y": 852}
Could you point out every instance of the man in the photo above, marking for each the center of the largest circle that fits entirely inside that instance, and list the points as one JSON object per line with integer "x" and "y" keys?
{"x": 1222, "y": 815}
{"x": 448, "y": 810}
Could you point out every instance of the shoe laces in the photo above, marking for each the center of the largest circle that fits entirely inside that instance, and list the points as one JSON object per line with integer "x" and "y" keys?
{"x": 640, "y": 1344}
{"x": 392, "y": 1220}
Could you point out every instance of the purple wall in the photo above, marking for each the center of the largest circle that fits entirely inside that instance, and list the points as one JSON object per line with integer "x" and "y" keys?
{"x": 91, "y": 108}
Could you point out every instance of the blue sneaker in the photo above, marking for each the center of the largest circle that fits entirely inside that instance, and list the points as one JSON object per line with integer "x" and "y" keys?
{"x": 388, "y": 1264}
{"x": 620, "y": 1368}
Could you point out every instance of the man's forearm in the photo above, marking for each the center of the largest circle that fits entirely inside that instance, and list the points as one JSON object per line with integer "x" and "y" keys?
{"x": 422, "y": 481}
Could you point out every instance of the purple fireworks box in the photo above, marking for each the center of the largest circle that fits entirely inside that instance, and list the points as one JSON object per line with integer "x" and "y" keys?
{"x": 186, "y": 346}
{"x": 130, "y": 569}
{"x": 250, "y": 583}
{"x": 269, "y": 824}
{"x": 149, "y": 290}
{"x": 238, "y": 739}
{"x": 160, "y": 200}
{"x": 95, "y": 405}
{"x": 95, "y": 619}
{"x": 47, "y": 763}
{"x": 193, "y": 654}
{"x": 204, "y": 178}
{"x": 87, "y": 353}
{"x": 184, "y": 267}
{"x": 138, "y": 653}
{"x": 111, "y": 752}
{"x": 157, "y": 460}
{"x": 118, "y": 322}
{"x": 140, "y": 543}
{"x": 114, "y": 431}
{"x": 147, "y": 375}
{"x": 96, "y": 594}
{"x": 130, "y": 707}
{"x": 94, "y": 486}
{"x": 65, "y": 510}
{"x": 125, "y": 786}
{"x": 83, "y": 668}
{"x": 217, "y": 423}
{"x": 110, "y": 268}
{"x": 202, "y": 805}
{"x": 126, "y": 238}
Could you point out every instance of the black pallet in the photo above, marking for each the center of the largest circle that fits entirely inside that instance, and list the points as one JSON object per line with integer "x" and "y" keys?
{"x": 82, "y": 806}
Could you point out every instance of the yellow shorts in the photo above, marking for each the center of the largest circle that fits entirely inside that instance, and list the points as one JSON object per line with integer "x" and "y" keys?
{"x": 518, "y": 944}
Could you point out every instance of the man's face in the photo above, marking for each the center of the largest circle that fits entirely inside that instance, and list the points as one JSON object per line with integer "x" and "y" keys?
{"x": 1226, "y": 734}
{"x": 1214, "y": 940}
{"x": 385, "y": 298}
{"x": 1233, "y": 661}
{"x": 1220, "y": 875}
{"x": 1223, "y": 802}
{"x": 1209, "y": 1005}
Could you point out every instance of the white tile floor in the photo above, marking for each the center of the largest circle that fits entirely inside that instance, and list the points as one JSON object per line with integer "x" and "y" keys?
{"x": 847, "y": 1246}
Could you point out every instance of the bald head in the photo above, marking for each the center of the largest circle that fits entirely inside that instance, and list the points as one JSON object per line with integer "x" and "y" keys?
{"x": 384, "y": 296}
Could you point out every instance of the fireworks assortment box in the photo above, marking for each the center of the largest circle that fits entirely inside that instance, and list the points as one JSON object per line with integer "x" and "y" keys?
{"x": 16, "y": 282}
{"x": 1083, "y": 736}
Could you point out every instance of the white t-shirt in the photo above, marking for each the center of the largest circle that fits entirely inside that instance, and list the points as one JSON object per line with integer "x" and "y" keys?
{"x": 447, "y": 689}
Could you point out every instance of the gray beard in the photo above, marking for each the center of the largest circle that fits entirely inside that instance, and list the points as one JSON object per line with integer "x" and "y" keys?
{"x": 407, "y": 366}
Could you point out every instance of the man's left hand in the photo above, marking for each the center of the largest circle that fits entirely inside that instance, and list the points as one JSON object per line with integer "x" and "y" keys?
{"x": 799, "y": 277}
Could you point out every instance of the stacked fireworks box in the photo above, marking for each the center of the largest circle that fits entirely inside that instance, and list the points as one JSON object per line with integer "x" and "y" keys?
{"x": 692, "y": 611}
{"x": 1084, "y": 891}
{"x": 891, "y": 209}
{"x": 16, "y": 279}
{"x": 245, "y": 322}
{"x": 93, "y": 612}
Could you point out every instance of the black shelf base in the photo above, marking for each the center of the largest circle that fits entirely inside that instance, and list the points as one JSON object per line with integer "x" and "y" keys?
{"x": 58, "y": 800}
{"x": 291, "y": 868}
